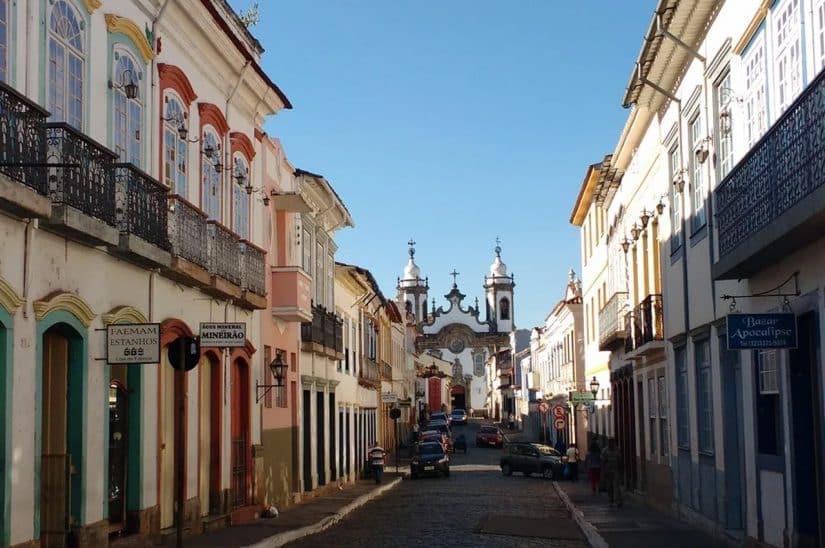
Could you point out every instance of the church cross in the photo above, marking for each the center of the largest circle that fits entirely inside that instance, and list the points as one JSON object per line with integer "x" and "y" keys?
{"x": 454, "y": 274}
{"x": 411, "y": 243}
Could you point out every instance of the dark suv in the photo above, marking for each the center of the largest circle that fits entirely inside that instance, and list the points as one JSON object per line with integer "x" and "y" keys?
{"x": 531, "y": 458}
{"x": 429, "y": 458}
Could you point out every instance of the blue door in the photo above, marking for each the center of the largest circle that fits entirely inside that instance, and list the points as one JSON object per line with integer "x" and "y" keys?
{"x": 734, "y": 509}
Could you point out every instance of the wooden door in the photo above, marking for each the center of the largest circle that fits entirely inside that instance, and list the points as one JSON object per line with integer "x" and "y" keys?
{"x": 55, "y": 461}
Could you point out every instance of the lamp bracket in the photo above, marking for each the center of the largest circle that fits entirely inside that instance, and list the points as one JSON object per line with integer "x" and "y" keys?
{"x": 773, "y": 292}
{"x": 268, "y": 388}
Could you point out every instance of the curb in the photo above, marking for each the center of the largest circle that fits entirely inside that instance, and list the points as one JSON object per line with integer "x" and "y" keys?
{"x": 290, "y": 536}
{"x": 594, "y": 539}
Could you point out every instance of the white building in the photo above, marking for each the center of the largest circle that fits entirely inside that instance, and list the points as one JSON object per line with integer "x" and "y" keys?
{"x": 154, "y": 215}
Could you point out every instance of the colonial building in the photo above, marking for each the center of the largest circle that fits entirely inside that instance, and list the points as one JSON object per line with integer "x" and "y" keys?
{"x": 131, "y": 193}
{"x": 459, "y": 335}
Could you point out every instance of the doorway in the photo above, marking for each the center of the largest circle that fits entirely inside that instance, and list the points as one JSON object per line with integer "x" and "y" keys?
{"x": 458, "y": 397}
{"x": 118, "y": 453}
{"x": 807, "y": 448}
{"x": 731, "y": 368}
{"x": 61, "y": 425}
{"x": 241, "y": 450}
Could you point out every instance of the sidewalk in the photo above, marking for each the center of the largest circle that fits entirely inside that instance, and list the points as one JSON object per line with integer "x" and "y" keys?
{"x": 307, "y": 518}
{"x": 634, "y": 524}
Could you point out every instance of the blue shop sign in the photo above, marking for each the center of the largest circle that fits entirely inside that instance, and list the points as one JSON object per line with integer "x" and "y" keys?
{"x": 760, "y": 331}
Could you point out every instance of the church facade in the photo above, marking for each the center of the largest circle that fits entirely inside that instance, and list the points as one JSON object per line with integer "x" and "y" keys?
{"x": 457, "y": 333}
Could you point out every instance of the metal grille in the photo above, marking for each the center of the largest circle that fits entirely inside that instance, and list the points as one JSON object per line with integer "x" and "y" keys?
{"x": 611, "y": 317}
{"x": 187, "y": 231}
{"x": 785, "y": 166}
{"x": 253, "y": 268}
{"x": 224, "y": 254}
{"x": 141, "y": 205}
{"x": 22, "y": 139}
{"x": 238, "y": 472}
{"x": 89, "y": 185}
{"x": 326, "y": 329}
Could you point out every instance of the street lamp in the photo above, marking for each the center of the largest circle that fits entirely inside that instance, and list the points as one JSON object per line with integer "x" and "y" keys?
{"x": 127, "y": 84}
{"x": 278, "y": 369}
{"x": 594, "y": 386}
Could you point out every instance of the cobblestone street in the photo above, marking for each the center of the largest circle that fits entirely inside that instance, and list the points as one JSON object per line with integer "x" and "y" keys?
{"x": 475, "y": 506}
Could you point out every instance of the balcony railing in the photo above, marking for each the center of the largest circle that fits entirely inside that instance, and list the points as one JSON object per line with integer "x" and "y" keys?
{"x": 386, "y": 371}
{"x": 84, "y": 175}
{"x": 141, "y": 205}
{"x": 611, "y": 320}
{"x": 23, "y": 139}
{"x": 628, "y": 332}
{"x": 325, "y": 329}
{"x": 647, "y": 322}
{"x": 784, "y": 167}
{"x": 253, "y": 270}
{"x": 224, "y": 253}
{"x": 369, "y": 370}
{"x": 187, "y": 231}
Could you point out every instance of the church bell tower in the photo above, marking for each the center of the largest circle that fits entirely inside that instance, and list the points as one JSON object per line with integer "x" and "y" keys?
{"x": 412, "y": 289}
{"x": 498, "y": 286}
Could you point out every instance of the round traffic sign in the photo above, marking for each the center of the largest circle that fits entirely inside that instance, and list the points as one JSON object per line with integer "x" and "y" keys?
{"x": 184, "y": 353}
{"x": 543, "y": 407}
{"x": 558, "y": 411}
{"x": 558, "y": 423}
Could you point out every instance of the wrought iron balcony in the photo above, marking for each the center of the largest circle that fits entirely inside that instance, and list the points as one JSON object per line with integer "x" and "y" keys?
{"x": 370, "y": 371}
{"x": 84, "y": 176}
{"x": 612, "y": 322}
{"x": 385, "y": 370}
{"x": 628, "y": 332}
{"x": 23, "y": 140}
{"x": 253, "y": 267}
{"x": 773, "y": 201}
{"x": 224, "y": 253}
{"x": 187, "y": 231}
{"x": 141, "y": 205}
{"x": 324, "y": 333}
{"x": 647, "y": 324}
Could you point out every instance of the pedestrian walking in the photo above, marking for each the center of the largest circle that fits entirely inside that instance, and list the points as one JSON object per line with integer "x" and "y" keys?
{"x": 593, "y": 464}
{"x": 560, "y": 446}
{"x": 573, "y": 461}
{"x": 376, "y": 454}
{"x": 611, "y": 469}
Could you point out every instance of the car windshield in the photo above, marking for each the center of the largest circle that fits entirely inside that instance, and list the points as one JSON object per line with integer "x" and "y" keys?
{"x": 430, "y": 449}
{"x": 547, "y": 450}
{"x": 489, "y": 430}
{"x": 458, "y": 412}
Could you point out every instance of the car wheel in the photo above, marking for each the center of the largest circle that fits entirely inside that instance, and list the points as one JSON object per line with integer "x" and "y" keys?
{"x": 547, "y": 473}
{"x": 506, "y": 470}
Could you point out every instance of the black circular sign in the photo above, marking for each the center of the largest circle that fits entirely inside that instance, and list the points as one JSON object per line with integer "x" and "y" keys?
{"x": 395, "y": 413}
{"x": 184, "y": 353}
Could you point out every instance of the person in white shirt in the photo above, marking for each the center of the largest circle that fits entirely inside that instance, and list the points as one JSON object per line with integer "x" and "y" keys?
{"x": 376, "y": 456}
{"x": 573, "y": 461}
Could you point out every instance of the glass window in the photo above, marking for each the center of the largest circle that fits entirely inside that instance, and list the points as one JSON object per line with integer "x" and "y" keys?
{"x": 768, "y": 408}
{"x": 174, "y": 148}
{"x": 211, "y": 191}
{"x": 318, "y": 278}
{"x": 704, "y": 396}
{"x": 240, "y": 199}
{"x": 664, "y": 441}
{"x": 755, "y": 95}
{"x": 331, "y": 280}
{"x": 504, "y": 308}
{"x": 652, "y": 412}
{"x": 675, "y": 164}
{"x": 768, "y": 372}
{"x": 724, "y": 134}
{"x": 4, "y": 40}
{"x": 788, "y": 48}
{"x": 819, "y": 34}
{"x": 127, "y": 112}
{"x": 682, "y": 417}
{"x": 66, "y": 65}
{"x": 697, "y": 179}
{"x": 306, "y": 246}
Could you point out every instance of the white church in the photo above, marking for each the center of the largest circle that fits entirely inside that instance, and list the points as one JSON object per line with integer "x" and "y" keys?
{"x": 458, "y": 334}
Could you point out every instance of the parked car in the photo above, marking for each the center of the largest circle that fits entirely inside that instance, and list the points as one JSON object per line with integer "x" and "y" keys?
{"x": 435, "y": 435}
{"x": 458, "y": 416}
{"x": 489, "y": 436}
{"x": 441, "y": 426}
{"x": 531, "y": 458}
{"x": 429, "y": 458}
{"x": 438, "y": 416}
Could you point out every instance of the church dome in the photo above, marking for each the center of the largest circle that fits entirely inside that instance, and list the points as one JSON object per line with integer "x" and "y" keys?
{"x": 411, "y": 271}
{"x": 498, "y": 269}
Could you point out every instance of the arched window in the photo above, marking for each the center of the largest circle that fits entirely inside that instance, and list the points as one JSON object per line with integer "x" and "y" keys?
{"x": 504, "y": 308}
{"x": 211, "y": 190}
{"x": 128, "y": 113}
{"x": 175, "y": 157}
{"x": 4, "y": 40}
{"x": 240, "y": 199}
{"x": 66, "y": 64}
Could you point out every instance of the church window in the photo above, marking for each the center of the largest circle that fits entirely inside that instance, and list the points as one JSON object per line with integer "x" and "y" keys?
{"x": 408, "y": 307}
{"x": 504, "y": 308}
{"x": 424, "y": 310}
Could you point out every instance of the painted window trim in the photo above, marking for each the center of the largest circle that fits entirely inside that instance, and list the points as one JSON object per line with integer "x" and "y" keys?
{"x": 84, "y": 20}
{"x": 121, "y": 48}
{"x": 172, "y": 94}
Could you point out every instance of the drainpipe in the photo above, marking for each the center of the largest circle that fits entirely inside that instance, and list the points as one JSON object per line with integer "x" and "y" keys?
{"x": 153, "y": 120}
{"x": 28, "y": 243}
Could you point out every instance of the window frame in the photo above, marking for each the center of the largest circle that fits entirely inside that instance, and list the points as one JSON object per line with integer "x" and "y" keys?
{"x": 209, "y": 134}
{"x": 698, "y": 189}
{"x": 787, "y": 37}
{"x": 704, "y": 396}
{"x": 754, "y": 68}
{"x": 240, "y": 199}
{"x": 60, "y": 107}
{"x": 682, "y": 397}
{"x": 5, "y": 43}
{"x": 722, "y": 98}
{"x": 169, "y": 129}
{"x": 674, "y": 157}
{"x": 126, "y": 141}
{"x": 818, "y": 11}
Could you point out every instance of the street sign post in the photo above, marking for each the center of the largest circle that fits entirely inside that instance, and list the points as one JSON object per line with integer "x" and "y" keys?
{"x": 132, "y": 343}
{"x": 395, "y": 413}
{"x": 559, "y": 423}
{"x": 223, "y": 335}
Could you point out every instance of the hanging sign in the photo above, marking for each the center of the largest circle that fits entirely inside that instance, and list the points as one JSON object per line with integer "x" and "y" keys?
{"x": 223, "y": 335}
{"x": 582, "y": 397}
{"x": 760, "y": 331}
{"x": 389, "y": 397}
{"x": 132, "y": 343}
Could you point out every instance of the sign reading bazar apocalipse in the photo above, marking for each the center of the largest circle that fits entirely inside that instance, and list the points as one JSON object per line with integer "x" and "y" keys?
{"x": 223, "y": 335}
{"x": 133, "y": 343}
{"x": 760, "y": 331}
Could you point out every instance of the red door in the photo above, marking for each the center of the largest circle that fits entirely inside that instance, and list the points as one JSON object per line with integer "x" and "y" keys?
{"x": 434, "y": 393}
{"x": 240, "y": 434}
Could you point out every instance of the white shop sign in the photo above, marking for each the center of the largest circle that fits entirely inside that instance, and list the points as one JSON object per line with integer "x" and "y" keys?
{"x": 132, "y": 343}
{"x": 223, "y": 335}
{"x": 389, "y": 397}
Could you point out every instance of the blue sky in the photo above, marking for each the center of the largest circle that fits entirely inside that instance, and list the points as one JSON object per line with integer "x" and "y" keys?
{"x": 453, "y": 122}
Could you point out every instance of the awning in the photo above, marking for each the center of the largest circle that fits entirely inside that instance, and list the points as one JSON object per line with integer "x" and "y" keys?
{"x": 290, "y": 201}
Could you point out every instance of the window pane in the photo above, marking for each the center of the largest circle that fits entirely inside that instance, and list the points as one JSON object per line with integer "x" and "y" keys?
{"x": 683, "y": 426}
{"x": 704, "y": 396}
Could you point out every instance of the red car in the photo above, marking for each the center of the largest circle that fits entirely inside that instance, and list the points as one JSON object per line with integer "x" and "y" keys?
{"x": 489, "y": 436}
{"x": 435, "y": 435}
